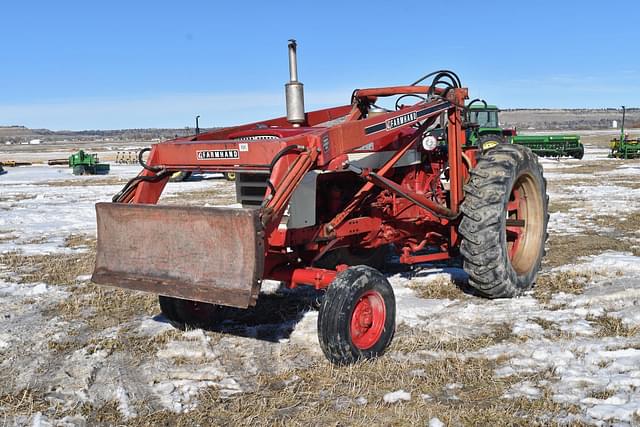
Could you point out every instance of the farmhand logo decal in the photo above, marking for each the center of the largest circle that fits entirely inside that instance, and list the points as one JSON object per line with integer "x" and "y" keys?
{"x": 217, "y": 154}
{"x": 407, "y": 118}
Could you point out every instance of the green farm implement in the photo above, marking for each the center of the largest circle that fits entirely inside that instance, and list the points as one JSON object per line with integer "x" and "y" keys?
{"x": 552, "y": 145}
{"x": 483, "y": 130}
{"x": 87, "y": 164}
{"x": 624, "y": 147}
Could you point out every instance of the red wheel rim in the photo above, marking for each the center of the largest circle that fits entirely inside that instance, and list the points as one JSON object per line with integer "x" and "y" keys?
{"x": 367, "y": 320}
{"x": 516, "y": 221}
{"x": 524, "y": 228}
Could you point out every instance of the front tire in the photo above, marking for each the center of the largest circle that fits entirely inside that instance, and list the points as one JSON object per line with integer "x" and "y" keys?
{"x": 504, "y": 224}
{"x": 489, "y": 141}
{"x": 79, "y": 170}
{"x": 357, "y": 317}
{"x": 187, "y": 314}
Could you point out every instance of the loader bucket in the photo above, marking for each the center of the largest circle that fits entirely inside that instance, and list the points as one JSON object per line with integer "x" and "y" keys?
{"x": 213, "y": 255}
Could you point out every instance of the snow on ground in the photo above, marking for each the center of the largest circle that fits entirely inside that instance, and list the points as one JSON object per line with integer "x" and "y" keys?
{"x": 39, "y": 206}
{"x": 561, "y": 339}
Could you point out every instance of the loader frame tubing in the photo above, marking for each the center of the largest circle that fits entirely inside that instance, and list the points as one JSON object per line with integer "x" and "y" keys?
{"x": 422, "y": 226}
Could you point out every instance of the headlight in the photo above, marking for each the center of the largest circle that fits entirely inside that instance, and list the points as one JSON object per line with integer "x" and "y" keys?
{"x": 429, "y": 142}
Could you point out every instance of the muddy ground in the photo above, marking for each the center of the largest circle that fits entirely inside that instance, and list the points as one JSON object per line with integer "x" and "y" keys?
{"x": 567, "y": 352}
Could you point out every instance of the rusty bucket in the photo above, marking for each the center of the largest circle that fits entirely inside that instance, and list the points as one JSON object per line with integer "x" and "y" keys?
{"x": 205, "y": 254}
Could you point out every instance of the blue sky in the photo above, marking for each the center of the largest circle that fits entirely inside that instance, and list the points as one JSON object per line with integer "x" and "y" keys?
{"x": 116, "y": 64}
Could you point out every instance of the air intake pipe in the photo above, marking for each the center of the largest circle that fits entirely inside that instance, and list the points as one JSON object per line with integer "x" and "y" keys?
{"x": 294, "y": 91}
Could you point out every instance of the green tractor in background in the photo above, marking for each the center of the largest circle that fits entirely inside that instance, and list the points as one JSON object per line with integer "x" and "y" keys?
{"x": 483, "y": 126}
{"x": 483, "y": 130}
{"x": 87, "y": 164}
{"x": 624, "y": 148}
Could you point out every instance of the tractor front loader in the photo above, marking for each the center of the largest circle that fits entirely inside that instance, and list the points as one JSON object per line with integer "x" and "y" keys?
{"x": 341, "y": 186}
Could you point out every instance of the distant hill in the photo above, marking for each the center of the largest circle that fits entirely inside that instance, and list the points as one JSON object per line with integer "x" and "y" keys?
{"x": 539, "y": 119}
{"x": 568, "y": 119}
{"x": 19, "y": 134}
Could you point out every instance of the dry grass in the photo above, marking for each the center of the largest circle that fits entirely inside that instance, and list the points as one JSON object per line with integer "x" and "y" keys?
{"x": 602, "y": 394}
{"x": 217, "y": 196}
{"x": 569, "y": 282}
{"x": 552, "y": 330}
{"x": 139, "y": 346}
{"x": 609, "y": 326}
{"x": 563, "y": 206}
{"x": 75, "y": 241}
{"x": 52, "y": 269}
{"x": 104, "y": 307}
{"x": 24, "y": 402}
{"x": 325, "y": 395}
{"x": 17, "y": 197}
{"x": 100, "y": 306}
{"x": 442, "y": 287}
{"x": 87, "y": 181}
{"x": 566, "y": 249}
{"x": 592, "y": 167}
{"x": 634, "y": 185}
{"x": 626, "y": 224}
{"x": 408, "y": 340}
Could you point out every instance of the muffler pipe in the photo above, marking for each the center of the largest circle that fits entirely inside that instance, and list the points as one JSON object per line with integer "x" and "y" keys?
{"x": 294, "y": 91}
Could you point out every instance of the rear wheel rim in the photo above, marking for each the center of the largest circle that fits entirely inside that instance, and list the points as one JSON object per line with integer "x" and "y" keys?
{"x": 367, "y": 320}
{"x": 523, "y": 225}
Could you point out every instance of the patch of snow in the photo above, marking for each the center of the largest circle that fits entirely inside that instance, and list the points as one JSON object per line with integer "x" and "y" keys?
{"x": 30, "y": 199}
{"x": 306, "y": 333}
{"x": 23, "y": 289}
{"x": 123, "y": 403}
{"x": 153, "y": 326}
{"x": 397, "y": 396}
{"x": 361, "y": 401}
{"x": 4, "y": 341}
{"x": 524, "y": 389}
{"x": 412, "y": 310}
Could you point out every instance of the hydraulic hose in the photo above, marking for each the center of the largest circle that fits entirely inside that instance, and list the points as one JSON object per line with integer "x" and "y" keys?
{"x": 453, "y": 76}
{"x": 286, "y": 150}
{"x": 146, "y": 166}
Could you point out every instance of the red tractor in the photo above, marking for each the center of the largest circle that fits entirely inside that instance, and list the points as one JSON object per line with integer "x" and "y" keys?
{"x": 327, "y": 193}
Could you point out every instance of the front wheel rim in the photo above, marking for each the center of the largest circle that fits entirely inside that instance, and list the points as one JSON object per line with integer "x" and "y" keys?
{"x": 367, "y": 320}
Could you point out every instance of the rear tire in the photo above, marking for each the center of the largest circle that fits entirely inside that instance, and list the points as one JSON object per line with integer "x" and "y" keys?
{"x": 187, "y": 314}
{"x": 180, "y": 176}
{"x": 502, "y": 258}
{"x": 489, "y": 141}
{"x": 357, "y": 317}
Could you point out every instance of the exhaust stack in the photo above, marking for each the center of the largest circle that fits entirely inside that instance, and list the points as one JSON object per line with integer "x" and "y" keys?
{"x": 294, "y": 91}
